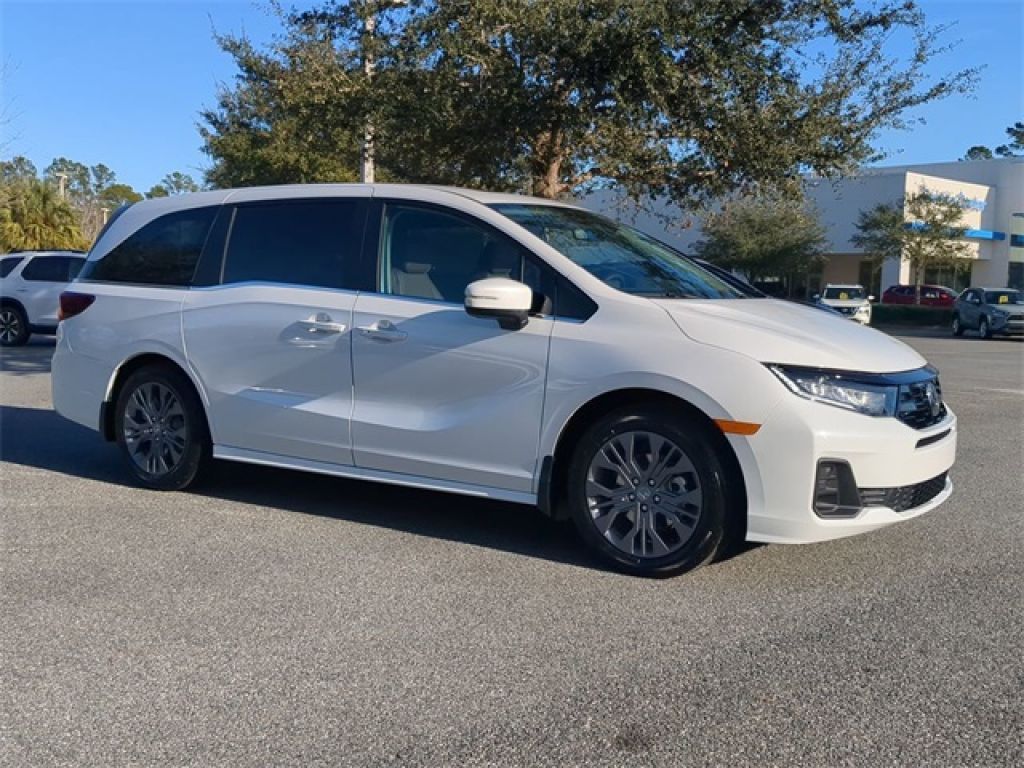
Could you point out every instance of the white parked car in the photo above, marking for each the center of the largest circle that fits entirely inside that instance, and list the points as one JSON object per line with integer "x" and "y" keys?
{"x": 850, "y": 300}
{"x": 30, "y": 286}
{"x": 501, "y": 347}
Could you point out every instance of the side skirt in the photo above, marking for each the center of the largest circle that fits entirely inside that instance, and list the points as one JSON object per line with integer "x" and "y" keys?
{"x": 359, "y": 473}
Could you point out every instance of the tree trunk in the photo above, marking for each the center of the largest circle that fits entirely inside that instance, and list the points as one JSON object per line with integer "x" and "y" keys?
{"x": 547, "y": 166}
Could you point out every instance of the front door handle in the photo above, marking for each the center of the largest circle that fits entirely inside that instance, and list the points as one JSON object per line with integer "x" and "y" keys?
{"x": 382, "y": 330}
{"x": 321, "y": 323}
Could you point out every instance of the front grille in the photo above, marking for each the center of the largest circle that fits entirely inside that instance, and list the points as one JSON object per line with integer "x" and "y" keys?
{"x": 920, "y": 403}
{"x": 904, "y": 498}
{"x": 846, "y": 310}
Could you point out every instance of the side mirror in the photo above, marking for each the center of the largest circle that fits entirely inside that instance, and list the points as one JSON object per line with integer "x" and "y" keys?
{"x": 507, "y": 301}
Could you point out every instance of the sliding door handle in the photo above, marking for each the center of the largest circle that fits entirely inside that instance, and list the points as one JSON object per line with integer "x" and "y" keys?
{"x": 321, "y": 323}
{"x": 382, "y": 330}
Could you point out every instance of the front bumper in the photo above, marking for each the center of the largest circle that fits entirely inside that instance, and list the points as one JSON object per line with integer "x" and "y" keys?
{"x": 883, "y": 453}
{"x": 1009, "y": 326}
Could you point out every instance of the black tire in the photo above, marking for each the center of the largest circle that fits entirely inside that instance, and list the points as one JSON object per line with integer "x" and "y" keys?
{"x": 693, "y": 439}
{"x": 958, "y": 328}
{"x": 14, "y": 330}
{"x": 195, "y": 454}
{"x": 983, "y": 328}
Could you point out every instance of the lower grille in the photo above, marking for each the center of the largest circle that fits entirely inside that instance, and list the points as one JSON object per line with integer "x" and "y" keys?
{"x": 903, "y": 498}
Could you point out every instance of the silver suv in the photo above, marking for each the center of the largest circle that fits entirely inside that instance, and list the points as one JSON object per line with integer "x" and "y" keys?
{"x": 30, "y": 286}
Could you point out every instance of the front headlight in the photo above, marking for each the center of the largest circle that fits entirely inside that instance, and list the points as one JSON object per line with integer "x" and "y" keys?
{"x": 863, "y": 310}
{"x": 836, "y": 388}
{"x": 1000, "y": 313}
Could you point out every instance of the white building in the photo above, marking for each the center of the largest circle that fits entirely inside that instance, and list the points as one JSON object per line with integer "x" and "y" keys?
{"x": 992, "y": 192}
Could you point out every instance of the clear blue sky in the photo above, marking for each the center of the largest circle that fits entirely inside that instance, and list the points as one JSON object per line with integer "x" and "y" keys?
{"x": 122, "y": 82}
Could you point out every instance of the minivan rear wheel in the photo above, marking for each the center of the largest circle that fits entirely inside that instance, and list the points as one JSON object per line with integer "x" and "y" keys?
{"x": 646, "y": 492}
{"x": 161, "y": 428}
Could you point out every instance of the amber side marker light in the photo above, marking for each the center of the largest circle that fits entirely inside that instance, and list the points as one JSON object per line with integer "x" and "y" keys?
{"x": 73, "y": 303}
{"x": 737, "y": 427}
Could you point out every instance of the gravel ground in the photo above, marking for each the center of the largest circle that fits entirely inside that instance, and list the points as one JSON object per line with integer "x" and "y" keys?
{"x": 277, "y": 618}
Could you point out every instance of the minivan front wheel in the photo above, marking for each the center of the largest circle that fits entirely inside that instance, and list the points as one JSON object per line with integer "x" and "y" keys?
{"x": 646, "y": 492}
{"x": 958, "y": 329}
{"x": 161, "y": 428}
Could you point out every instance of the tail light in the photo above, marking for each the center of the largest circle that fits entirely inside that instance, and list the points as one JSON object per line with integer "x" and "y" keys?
{"x": 73, "y": 303}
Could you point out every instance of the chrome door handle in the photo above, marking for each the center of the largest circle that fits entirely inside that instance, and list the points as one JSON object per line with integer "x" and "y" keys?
{"x": 322, "y": 323}
{"x": 382, "y": 330}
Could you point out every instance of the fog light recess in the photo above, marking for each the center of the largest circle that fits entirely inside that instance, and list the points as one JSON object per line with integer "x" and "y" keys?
{"x": 835, "y": 490}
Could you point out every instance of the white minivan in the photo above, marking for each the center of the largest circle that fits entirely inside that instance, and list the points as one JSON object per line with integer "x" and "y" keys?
{"x": 498, "y": 346}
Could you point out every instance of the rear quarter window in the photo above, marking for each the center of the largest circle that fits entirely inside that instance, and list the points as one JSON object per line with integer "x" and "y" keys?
{"x": 163, "y": 252}
{"x": 8, "y": 264}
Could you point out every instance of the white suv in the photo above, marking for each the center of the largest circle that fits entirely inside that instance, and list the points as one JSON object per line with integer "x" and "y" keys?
{"x": 30, "y": 286}
{"x": 501, "y": 347}
{"x": 850, "y": 300}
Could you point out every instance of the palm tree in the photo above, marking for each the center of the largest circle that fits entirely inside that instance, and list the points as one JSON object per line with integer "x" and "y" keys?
{"x": 33, "y": 217}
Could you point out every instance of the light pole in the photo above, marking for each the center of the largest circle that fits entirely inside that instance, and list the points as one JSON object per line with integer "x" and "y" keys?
{"x": 366, "y": 156}
{"x": 61, "y": 180}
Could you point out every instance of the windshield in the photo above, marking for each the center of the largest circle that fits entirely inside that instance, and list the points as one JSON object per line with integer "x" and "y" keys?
{"x": 619, "y": 255}
{"x": 1004, "y": 297}
{"x": 845, "y": 292}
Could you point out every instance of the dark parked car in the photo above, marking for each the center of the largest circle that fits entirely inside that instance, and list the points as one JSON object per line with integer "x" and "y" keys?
{"x": 989, "y": 311}
{"x": 931, "y": 295}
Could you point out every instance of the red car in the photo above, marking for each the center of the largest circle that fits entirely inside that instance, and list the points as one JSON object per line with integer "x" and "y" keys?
{"x": 931, "y": 295}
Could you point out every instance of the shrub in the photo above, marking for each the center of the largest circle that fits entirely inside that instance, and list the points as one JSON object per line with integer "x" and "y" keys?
{"x": 908, "y": 314}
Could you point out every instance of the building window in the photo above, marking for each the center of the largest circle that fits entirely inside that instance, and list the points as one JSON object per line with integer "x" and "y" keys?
{"x": 957, "y": 277}
{"x": 1015, "y": 279}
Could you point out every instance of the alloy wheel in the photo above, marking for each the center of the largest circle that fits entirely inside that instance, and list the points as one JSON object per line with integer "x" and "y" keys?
{"x": 644, "y": 494}
{"x": 155, "y": 433}
{"x": 10, "y": 325}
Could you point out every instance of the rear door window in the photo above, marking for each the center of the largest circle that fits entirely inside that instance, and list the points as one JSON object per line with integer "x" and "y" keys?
{"x": 313, "y": 243}
{"x": 163, "y": 252}
{"x": 49, "y": 269}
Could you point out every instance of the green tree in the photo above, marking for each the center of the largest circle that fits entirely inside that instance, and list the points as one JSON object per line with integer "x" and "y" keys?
{"x": 157, "y": 190}
{"x": 116, "y": 195}
{"x": 925, "y": 228}
{"x": 34, "y": 217}
{"x": 690, "y": 100}
{"x": 90, "y": 190}
{"x": 764, "y": 237}
{"x": 294, "y": 115}
{"x": 77, "y": 179}
{"x": 178, "y": 183}
{"x": 1015, "y": 147}
{"x": 978, "y": 152}
{"x": 18, "y": 168}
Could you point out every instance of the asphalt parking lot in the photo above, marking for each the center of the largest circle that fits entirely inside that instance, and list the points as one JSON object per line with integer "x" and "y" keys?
{"x": 276, "y": 618}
